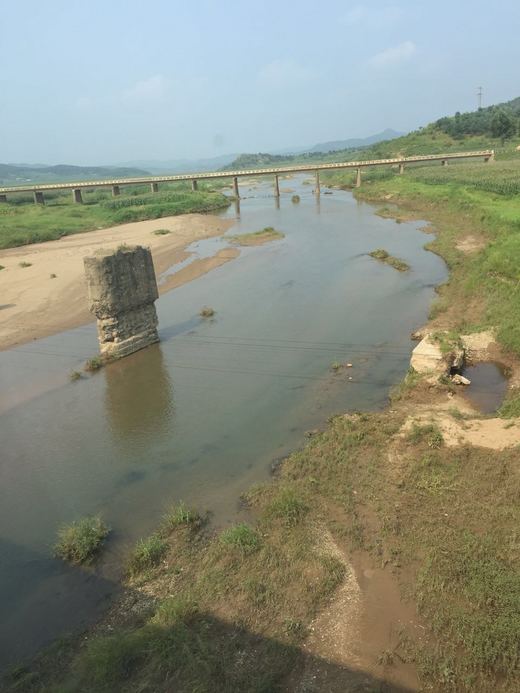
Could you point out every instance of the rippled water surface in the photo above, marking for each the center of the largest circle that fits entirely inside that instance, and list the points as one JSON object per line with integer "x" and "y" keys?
{"x": 202, "y": 415}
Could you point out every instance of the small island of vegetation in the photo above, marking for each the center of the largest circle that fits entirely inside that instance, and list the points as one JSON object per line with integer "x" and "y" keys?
{"x": 395, "y": 262}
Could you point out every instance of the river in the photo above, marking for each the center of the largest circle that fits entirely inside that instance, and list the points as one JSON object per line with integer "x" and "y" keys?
{"x": 205, "y": 413}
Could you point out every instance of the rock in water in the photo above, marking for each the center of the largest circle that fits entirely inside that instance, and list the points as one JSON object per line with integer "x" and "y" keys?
{"x": 122, "y": 289}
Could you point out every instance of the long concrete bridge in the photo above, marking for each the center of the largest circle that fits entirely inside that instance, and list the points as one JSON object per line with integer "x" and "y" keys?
{"x": 154, "y": 181}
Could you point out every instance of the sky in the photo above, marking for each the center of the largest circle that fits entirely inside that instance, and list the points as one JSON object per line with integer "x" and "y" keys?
{"x": 111, "y": 81}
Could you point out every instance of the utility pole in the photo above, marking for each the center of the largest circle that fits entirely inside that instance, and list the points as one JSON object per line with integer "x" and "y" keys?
{"x": 479, "y": 96}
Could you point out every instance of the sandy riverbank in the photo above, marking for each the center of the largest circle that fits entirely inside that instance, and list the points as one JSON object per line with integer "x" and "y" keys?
{"x": 35, "y": 304}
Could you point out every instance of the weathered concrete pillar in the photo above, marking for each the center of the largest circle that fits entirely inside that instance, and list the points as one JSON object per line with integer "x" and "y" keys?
{"x": 235, "y": 188}
{"x": 401, "y": 169}
{"x": 3, "y": 198}
{"x": 76, "y": 196}
{"x": 154, "y": 187}
{"x": 444, "y": 162}
{"x": 358, "y": 178}
{"x": 38, "y": 197}
{"x": 317, "y": 189}
{"x": 490, "y": 158}
{"x": 121, "y": 290}
{"x": 194, "y": 185}
{"x": 115, "y": 190}
{"x": 276, "y": 186}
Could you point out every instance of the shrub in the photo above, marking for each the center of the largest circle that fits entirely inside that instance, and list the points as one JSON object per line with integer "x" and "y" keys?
{"x": 147, "y": 554}
{"x": 80, "y": 541}
{"x": 180, "y": 516}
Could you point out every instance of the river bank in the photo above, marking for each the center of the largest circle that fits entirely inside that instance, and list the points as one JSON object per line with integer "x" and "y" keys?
{"x": 43, "y": 287}
{"x": 383, "y": 555}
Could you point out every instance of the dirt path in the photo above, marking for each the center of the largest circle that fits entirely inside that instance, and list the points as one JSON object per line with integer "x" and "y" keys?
{"x": 42, "y": 287}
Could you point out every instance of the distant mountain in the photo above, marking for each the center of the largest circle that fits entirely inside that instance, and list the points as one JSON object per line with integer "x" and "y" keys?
{"x": 337, "y": 145}
{"x": 17, "y": 174}
{"x": 183, "y": 165}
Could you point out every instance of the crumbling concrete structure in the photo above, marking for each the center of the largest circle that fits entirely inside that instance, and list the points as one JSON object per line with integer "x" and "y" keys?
{"x": 122, "y": 289}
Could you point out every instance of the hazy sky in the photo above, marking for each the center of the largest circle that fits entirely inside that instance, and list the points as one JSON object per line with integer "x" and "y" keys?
{"x": 97, "y": 82}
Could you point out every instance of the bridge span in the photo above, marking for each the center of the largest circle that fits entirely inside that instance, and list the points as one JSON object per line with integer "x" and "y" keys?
{"x": 154, "y": 181}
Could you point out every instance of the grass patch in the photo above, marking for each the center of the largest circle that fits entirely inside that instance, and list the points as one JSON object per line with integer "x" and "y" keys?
{"x": 510, "y": 409}
{"x": 180, "y": 515}
{"x": 395, "y": 262}
{"x": 295, "y": 199}
{"x": 147, "y": 554}
{"x": 241, "y": 537}
{"x": 266, "y": 235}
{"x": 161, "y": 232}
{"x": 22, "y": 222}
{"x": 94, "y": 364}
{"x": 81, "y": 541}
{"x": 75, "y": 375}
{"x": 24, "y": 264}
{"x": 288, "y": 506}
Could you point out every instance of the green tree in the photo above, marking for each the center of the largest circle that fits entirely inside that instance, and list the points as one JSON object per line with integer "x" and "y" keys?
{"x": 503, "y": 125}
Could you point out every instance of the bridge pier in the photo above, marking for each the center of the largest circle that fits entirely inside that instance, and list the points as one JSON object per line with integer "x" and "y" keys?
{"x": 38, "y": 197}
{"x": 276, "y": 186}
{"x": 317, "y": 189}
{"x": 3, "y": 198}
{"x": 235, "y": 188}
{"x": 115, "y": 190}
{"x": 194, "y": 185}
{"x": 358, "y": 179}
{"x": 154, "y": 187}
{"x": 76, "y": 196}
{"x": 444, "y": 162}
{"x": 489, "y": 158}
{"x": 401, "y": 169}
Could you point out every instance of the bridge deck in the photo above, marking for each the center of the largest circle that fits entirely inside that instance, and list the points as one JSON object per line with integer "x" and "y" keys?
{"x": 250, "y": 172}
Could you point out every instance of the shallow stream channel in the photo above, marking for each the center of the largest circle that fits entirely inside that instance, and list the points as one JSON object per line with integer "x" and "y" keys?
{"x": 206, "y": 413}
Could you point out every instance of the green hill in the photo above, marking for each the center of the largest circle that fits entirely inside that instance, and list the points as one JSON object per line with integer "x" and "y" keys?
{"x": 18, "y": 174}
{"x": 494, "y": 127}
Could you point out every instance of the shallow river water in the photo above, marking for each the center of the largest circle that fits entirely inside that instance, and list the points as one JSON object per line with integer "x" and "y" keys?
{"x": 204, "y": 414}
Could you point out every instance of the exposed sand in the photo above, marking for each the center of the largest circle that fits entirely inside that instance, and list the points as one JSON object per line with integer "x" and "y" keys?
{"x": 34, "y": 305}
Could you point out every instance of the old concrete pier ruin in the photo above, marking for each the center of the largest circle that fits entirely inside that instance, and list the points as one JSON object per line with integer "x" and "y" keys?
{"x": 122, "y": 289}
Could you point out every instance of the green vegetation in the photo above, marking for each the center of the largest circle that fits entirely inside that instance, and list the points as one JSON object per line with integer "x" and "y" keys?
{"x": 25, "y": 264}
{"x": 229, "y": 611}
{"x": 241, "y": 537}
{"x": 94, "y": 364}
{"x": 81, "y": 541}
{"x": 445, "y": 519}
{"x": 147, "y": 554}
{"x": 510, "y": 409}
{"x": 75, "y": 375}
{"x": 395, "y": 262}
{"x": 295, "y": 199}
{"x": 161, "y": 232}
{"x": 257, "y": 237}
{"x": 22, "y": 222}
{"x": 180, "y": 515}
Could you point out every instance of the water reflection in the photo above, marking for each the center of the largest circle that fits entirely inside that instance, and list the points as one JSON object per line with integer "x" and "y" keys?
{"x": 139, "y": 396}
